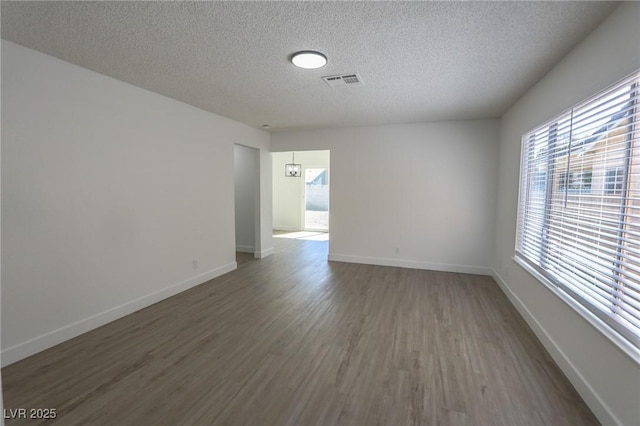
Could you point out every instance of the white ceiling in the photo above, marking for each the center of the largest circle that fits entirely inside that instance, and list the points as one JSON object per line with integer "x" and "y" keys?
{"x": 420, "y": 61}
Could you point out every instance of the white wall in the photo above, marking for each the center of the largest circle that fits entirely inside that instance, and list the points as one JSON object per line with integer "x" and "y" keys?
{"x": 247, "y": 185}
{"x": 288, "y": 192}
{"x": 1, "y": 395}
{"x": 108, "y": 193}
{"x": 427, "y": 189}
{"x": 607, "y": 379}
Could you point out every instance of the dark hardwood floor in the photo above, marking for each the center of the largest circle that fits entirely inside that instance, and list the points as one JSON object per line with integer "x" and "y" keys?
{"x": 295, "y": 340}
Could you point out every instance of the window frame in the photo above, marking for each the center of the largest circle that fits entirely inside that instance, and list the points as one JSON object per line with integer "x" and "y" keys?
{"x": 529, "y": 180}
{"x": 613, "y": 187}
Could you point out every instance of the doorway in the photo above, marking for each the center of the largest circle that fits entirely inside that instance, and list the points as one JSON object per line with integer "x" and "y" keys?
{"x": 247, "y": 200}
{"x": 316, "y": 199}
{"x": 301, "y": 202}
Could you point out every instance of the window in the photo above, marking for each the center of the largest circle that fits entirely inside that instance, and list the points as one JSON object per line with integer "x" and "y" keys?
{"x": 613, "y": 181}
{"x": 571, "y": 233}
{"x": 577, "y": 181}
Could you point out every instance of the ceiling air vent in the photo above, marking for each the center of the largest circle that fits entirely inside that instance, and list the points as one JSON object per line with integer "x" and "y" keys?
{"x": 343, "y": 80}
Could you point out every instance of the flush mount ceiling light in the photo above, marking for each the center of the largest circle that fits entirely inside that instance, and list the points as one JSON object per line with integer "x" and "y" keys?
{"x": 308, "y": 59}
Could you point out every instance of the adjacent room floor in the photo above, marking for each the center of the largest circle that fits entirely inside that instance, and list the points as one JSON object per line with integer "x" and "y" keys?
{"x": 295, "y": 340}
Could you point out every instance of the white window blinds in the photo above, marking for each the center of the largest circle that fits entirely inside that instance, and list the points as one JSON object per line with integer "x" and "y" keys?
{"x": 579, "y": 205}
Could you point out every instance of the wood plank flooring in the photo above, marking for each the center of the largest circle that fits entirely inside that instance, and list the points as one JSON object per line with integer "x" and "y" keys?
{"x": 295, "y": 340}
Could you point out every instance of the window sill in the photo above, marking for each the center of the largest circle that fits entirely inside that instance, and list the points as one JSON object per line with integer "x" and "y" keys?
{"x": 622, "y": 343}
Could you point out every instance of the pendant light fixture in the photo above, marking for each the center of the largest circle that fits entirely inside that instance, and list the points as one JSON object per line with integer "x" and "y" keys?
{"x": 292, "y": 170}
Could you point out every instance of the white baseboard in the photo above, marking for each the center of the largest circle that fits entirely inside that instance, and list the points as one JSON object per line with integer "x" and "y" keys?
{"x": 264, "y": 253}
{"x": 287, "y": 228}
{"x": 586, "y": 391}
{"x": 52, "y": 338}
{"x": 245, "y": 249}
{"x": 413, "y": 264}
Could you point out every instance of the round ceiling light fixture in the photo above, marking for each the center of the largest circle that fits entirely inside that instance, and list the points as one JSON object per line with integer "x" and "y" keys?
{"x": 308, "y": 59}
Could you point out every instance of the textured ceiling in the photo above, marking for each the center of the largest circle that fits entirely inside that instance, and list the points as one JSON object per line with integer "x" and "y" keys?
{"x": 420, "y": 61}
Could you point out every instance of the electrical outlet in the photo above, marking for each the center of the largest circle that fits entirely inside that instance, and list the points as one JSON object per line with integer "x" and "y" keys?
{"x": 195, "y": 263}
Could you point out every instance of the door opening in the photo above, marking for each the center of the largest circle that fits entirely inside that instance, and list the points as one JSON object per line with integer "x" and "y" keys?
{"x": 247, "y": 200}
{"x": 316, "y": 199}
